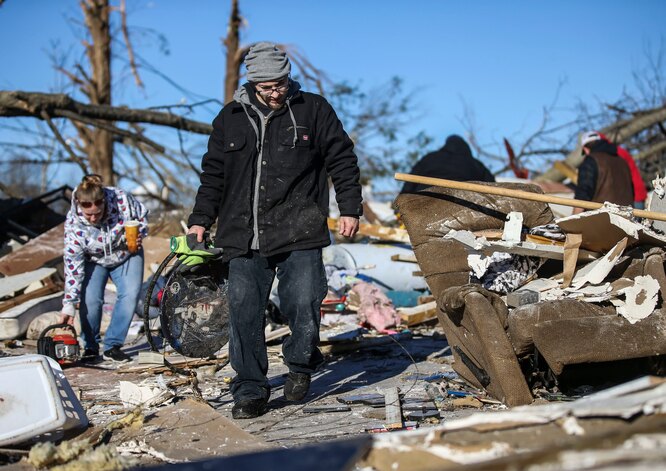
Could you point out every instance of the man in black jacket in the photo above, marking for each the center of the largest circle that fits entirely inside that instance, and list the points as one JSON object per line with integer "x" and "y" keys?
{"x": 454, "y": 161}
{"x": 264, "y": 178}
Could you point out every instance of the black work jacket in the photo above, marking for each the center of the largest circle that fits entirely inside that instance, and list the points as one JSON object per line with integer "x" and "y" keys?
{"x": 290, "y": 180}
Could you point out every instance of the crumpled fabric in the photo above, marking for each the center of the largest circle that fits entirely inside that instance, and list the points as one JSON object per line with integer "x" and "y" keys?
{"x": 502, "y": 272}
{"x": 550, "y": 231}
{"x": 375, "y": 310}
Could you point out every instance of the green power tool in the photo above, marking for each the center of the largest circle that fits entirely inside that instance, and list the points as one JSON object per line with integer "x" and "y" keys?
{"x": 194, "y": 311}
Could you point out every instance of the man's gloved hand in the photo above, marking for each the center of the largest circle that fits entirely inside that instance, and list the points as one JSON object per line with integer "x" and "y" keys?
{"x": 192, "y": 253}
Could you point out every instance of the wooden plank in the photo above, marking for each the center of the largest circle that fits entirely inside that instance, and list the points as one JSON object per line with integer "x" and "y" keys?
{"x": 567, "y": 170}
{"x": 537, "y": 239}
{"x": 278, "y": 333}
{"x": 530, "y": 249}
{"x": 426, "y": 298}
{"x": 38, "y": 293}
{"x": 36, "y": 253}
{"x": 175, "y": 360}
{"x": 418, "y": 314}
{"x": 12, "y": 284}
{"x": 404, "y": 258}
{"x": 520, "y": 194}
{"x": 393, "y": 409}
{"x": 364, "y": 342}
{"x": 490, "y": 234}
{"x": 391, "y": 234}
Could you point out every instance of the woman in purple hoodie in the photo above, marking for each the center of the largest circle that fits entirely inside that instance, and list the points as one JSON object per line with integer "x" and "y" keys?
{"x": 96, "y": 250}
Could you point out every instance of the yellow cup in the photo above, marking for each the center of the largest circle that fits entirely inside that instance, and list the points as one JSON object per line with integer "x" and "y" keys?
{"x": 131, "y": 235}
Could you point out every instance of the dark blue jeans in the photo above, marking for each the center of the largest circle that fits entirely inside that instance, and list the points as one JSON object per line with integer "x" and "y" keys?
{"x": 301, "y": 288}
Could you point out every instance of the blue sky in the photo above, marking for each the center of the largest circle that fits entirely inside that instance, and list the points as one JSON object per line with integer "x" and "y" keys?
{"x": 503, "y": 59}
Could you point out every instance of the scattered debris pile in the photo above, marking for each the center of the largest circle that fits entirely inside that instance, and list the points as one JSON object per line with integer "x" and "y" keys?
{"x": 619, "y": 428}
{"x": 554, "y": 304}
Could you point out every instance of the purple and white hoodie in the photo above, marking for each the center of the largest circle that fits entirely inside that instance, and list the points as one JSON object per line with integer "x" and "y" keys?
{"x": 104, "y": 244}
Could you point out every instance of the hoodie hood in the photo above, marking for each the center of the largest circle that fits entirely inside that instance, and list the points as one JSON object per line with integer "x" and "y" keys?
{"x": 603, "y": 146}
{"x": 456, "y": 146}
{"x": 77, "y": 215}
{"x": 245, "y": 96}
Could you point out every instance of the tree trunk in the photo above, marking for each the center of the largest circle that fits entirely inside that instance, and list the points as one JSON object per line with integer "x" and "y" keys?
{"x": 100, "y": 145}
{"x": 232, "y": 44}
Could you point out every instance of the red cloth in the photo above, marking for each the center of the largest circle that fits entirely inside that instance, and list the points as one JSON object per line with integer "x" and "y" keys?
{"x": 640, "y": 192}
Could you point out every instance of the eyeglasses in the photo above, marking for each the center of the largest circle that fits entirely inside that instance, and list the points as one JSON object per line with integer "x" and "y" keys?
{"x": 266, "y": 90}
{"x": 89, "y": 204}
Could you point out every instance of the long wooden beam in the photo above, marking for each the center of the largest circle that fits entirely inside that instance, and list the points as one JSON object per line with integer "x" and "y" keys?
{"x": 525, "y": 195}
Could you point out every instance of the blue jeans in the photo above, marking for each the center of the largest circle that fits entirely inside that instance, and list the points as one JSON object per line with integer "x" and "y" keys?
{"x": 301, "y": 288}
{"x": 127, "y": 277}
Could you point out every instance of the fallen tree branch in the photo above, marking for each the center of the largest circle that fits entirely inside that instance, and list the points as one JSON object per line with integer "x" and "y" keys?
{"x": 31, "y": 104}
{"x": 113, "y": 129}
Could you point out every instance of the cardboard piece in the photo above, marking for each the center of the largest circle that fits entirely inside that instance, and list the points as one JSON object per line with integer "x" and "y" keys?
{"x": 571, "y": 250}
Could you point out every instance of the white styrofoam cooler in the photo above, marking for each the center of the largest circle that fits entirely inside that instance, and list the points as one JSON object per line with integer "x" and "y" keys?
{"x": 36, "y": 400}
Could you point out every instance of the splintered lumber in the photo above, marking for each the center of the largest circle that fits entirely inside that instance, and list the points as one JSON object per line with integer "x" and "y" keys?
{"x": 404, "y": 258}
{"x": 175, "y": 360}
{"x": 393, "y": 409}
{"x": 278, "y": 333}
{"x": 390, "y": 234}
{"x": 12, "y": 284}
{"x": 36, "y": 253}
{"x": 567, "y": 170}
{"x": 520, "y": 194}
{"x": 363, "y": 342}
{"x": 418, "y": 314}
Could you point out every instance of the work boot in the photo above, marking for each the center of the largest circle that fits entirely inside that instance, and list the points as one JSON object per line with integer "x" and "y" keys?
{"x": 116, "y": 354}
{"x": 90, "y": 356}
{"x": 248, "y": 408}
{"x": 296, "y": 386}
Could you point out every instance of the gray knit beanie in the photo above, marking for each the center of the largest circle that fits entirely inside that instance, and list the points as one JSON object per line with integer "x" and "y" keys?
{"x": 265, "y": 62}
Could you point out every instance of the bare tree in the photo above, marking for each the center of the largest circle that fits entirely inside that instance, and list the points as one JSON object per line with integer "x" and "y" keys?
{"x": 98, "y": 142}
{"x": 636, "y": 121}
{"x": 235, "y": 55}
{"x": 373, "y": 120}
